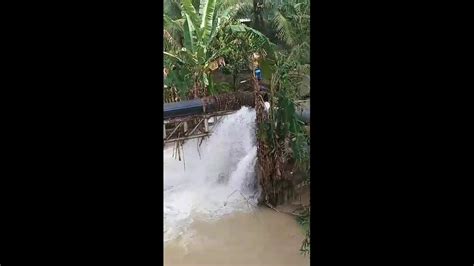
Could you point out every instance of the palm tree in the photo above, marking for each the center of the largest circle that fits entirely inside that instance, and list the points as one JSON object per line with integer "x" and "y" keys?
{"x": 286, "y": 22}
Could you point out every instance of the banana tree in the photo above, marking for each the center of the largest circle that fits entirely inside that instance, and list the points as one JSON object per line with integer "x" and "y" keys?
{"x": 201, "y": 27}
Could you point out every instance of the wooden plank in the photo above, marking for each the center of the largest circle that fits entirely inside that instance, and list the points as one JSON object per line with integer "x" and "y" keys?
{"x": 188, "y": 137}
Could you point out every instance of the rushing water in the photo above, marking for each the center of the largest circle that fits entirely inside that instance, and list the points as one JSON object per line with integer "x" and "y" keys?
{"x": 210, "y": 202}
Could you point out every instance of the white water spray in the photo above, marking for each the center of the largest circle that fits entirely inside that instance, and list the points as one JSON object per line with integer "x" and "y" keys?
{"x": 217, "y": 179}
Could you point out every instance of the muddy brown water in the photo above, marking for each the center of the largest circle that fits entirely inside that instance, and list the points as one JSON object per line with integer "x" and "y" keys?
{"x": 263, "y": 237}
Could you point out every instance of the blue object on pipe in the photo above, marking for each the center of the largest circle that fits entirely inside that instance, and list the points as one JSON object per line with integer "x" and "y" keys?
{"x": 258, "y": 73}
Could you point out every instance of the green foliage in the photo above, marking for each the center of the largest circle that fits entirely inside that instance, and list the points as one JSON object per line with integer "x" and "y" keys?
{"x": 172, "y": 8}
{"x": 292, "y": 21}
{"x": 226, "y": 70}
{"x": 286, "y": 23}
{"x": 218, "y": 88}
{"x": 178, "y": 79}
{"x": 236, "y": 44}
{"x": 286, "y": 130}
{"x": 203, "y": 32}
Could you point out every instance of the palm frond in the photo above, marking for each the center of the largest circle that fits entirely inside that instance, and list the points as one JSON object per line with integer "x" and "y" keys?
{"x": 284, "y": 28}
{"x": 245, "y": 10}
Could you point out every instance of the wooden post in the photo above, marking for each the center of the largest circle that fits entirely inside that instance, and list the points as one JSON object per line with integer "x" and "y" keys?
{"x": 164, "y": 131}
{"x": 206, "y": 124}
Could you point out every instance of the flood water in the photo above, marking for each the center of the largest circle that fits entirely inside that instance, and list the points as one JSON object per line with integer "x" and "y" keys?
{"x": 210, "y": 211}
{"x": 263, "y": 237}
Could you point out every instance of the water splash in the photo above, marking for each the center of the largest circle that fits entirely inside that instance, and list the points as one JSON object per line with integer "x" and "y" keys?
{"x": 218, "y": 179}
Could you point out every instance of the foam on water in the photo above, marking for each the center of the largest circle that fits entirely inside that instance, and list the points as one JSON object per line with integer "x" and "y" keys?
{"x": 214, "y": 180}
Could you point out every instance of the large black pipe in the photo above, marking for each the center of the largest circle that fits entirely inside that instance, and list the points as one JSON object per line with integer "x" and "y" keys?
{"x": 223, "y": 102}
{"x": 184, "y": 108}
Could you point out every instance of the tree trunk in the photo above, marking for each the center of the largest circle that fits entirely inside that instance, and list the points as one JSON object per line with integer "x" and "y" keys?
{"x": 234, "y": 79}
{"x": 257, "y": 11}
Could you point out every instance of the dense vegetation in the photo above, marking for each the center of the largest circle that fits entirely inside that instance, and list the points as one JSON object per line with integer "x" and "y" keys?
{"x": 209, "y": 44}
